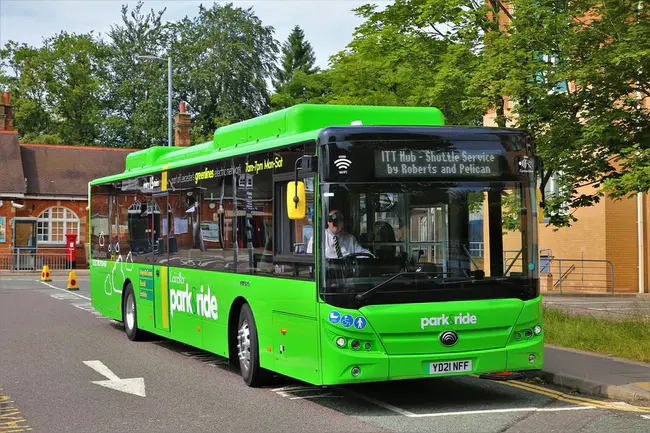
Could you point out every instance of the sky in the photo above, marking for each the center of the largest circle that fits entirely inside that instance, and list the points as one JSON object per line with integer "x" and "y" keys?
{"x": 328, "y": 24}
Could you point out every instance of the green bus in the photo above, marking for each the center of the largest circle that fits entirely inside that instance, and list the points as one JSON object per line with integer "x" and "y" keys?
{"x": 330, "y": 244}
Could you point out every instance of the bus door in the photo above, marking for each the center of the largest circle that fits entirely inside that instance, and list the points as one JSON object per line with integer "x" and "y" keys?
{"x": 295, "y": 298}
{"x": 157, "y": 211}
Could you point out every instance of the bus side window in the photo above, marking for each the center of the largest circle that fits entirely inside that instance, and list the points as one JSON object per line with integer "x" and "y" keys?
{"x": 294, "y": 245}
{"x": 255, "y": 218}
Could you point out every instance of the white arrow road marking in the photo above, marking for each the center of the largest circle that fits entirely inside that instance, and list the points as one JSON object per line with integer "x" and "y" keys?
{"x": 132, "y": 386}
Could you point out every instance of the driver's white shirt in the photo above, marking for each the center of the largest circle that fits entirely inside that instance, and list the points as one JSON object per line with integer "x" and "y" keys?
{"x": 347, "y": 242}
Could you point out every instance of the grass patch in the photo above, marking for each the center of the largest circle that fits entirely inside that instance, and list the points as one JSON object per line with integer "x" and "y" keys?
{"x": 624, "y": 338}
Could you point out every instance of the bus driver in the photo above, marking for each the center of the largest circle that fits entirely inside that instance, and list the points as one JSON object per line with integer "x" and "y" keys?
{"x": 338, "y": 243}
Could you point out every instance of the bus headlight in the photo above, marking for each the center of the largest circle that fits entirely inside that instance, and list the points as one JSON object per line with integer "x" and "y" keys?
{"x": 538, "y": 329}
{"x": 340, "y": 342}
{"x": 356, "y": 344}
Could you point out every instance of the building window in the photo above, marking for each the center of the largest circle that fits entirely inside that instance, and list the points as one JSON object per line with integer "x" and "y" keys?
{"x": 54, "y": 223}
{"x": 551, "y": 189}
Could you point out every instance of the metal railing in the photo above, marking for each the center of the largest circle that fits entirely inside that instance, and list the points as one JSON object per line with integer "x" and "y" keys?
{"x": 566, "y": 273}
{"x": 23, "y": 261}
{"x": 580, "y": 274}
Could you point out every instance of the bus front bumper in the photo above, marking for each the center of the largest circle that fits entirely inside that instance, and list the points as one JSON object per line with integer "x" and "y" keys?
{"x": 379, "y": 367}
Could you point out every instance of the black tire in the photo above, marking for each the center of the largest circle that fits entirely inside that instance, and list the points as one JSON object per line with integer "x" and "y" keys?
{"x": 248, "y": 352}
{"x": 130, "y": 315}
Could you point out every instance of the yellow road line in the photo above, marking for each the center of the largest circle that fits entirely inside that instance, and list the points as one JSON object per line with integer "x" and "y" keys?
{"x": 541, "y": 388}
{"x": 600, "y": 403}
{"x": 11, "y": 420}
{"x": 582, "y": 401}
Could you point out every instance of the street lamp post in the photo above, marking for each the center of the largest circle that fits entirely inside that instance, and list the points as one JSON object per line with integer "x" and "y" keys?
{"x": 169, "y": 93}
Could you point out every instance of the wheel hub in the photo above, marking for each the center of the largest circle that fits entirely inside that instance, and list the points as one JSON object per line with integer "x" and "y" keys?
{"x": 130, "y": 312}
{"x": 244, "y": 345}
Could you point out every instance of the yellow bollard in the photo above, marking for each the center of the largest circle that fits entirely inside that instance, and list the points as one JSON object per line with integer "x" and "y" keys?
{"x": 45, "y": 274}
{"x": 72, "y": 281}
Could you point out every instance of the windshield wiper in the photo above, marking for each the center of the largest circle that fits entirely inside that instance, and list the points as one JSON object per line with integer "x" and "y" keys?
{"x": 365, "y": 295}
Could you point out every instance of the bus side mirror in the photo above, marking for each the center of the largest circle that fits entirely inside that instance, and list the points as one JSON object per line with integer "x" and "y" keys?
{"x": 296, "y": 201}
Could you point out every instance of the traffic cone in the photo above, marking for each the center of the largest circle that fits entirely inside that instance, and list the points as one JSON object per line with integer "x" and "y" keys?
{"x": 45, "y": 274}
{"x": 72, "y": 281}
{"x": 502, "y": 375}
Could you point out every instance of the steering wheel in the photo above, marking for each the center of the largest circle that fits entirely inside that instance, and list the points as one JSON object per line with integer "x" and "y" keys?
{"x": 350, "y": 265}
{"x": 355, "y": 255}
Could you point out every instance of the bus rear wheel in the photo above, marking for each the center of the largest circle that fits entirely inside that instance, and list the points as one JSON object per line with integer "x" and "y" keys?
{"x": 248, "y": 350}
{"x": 130, "y": 316}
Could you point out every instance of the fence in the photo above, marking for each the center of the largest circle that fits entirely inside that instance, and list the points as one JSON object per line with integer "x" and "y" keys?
{"x": 565, "y": 274}
{"x": 578, "y": 275}
{"x": 23, "y": 261}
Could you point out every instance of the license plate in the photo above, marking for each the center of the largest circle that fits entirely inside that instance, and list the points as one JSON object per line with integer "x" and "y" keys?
{"x": 445, "y": 367}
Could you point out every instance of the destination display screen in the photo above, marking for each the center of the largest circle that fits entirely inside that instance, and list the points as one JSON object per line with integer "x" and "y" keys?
{"x": 437, "y": 163}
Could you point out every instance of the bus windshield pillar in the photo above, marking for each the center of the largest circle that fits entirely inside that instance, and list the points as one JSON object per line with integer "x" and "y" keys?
{"x": 496, "y": 233}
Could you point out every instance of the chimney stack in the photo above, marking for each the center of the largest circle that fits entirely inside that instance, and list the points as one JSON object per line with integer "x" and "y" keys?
{"x": 6, "y": 114}
{"x": 182, "y": 124}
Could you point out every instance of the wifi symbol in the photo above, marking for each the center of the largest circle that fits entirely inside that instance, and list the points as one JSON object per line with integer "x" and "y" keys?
{"x": 342, "y": 164}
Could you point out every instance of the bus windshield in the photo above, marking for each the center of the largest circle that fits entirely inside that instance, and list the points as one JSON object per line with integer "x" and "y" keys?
{"x": 427, "y": 241}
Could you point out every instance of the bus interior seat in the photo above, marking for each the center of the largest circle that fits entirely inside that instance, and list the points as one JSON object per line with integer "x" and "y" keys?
{"x": 384, "y": 233}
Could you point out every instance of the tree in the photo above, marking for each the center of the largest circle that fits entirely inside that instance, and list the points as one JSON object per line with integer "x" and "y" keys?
{"x": 304, "y": 88}
{"x": 224, "y": 57}
{"x": 75, "y": 90}
{"x": 394, "y": 60}
{"x": 581, "y": 71}
{"x": 136, "y": 115}
{"x": 297, "y": 55}
{"x": 25, "y": 78}
{"x": 572, "y": 71}
{"x": 58, "y": 88}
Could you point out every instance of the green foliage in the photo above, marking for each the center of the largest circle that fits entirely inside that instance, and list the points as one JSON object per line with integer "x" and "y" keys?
{"x": 394, "y": 60}
{"x": 136, "y": 115}
{"x": 75, "y": 86}
{"x": 511, "y": 211}
{"x": 224, "y": 57}
{"x": 572, "y": 73}
{"x": 304, "y": 88}
{"x": 297, "y": 55}
{"x": 627, "y": 336}
{"x": 576, "y": 90}
{"x": 87, "y": 91}
{"x": 33, "y": 138}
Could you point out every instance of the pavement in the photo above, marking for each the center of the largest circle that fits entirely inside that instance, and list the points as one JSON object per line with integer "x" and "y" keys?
{"x": 593, "y": 374}
{"x": 578, "y": 371}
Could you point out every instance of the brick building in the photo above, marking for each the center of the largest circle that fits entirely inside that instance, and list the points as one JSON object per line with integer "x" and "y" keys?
{"x": 45, "y": 187}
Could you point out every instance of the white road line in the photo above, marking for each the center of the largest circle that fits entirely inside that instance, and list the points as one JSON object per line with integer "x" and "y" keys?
{"x": 467, "y": 412}
{"x": 590, "y": 302}
{"x": 328, "y": 395}
{"x": 381, "y": 404}
{"x": 291, "y": 388}
{"x": 66, "y": 291}
{"x": 488, "y": 411}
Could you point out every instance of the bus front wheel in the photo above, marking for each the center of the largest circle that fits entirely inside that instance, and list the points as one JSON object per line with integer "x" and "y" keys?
{"x": 130, "y": 316}
{"x": 248, "y": 349}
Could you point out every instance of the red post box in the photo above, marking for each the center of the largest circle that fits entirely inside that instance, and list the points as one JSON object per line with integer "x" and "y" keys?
{"x": 71, "y": 250}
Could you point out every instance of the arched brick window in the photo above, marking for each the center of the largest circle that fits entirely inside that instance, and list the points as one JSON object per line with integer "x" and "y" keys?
{"x": 54, "y": 223}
